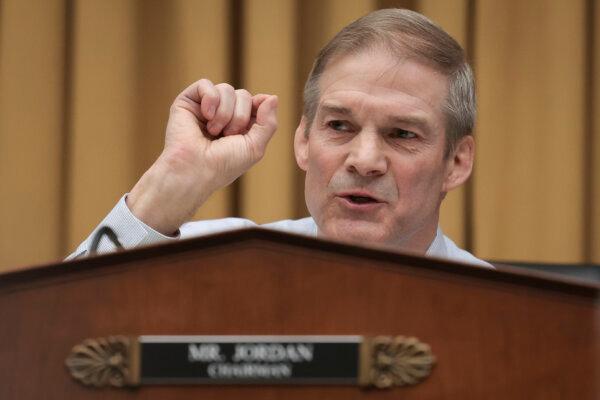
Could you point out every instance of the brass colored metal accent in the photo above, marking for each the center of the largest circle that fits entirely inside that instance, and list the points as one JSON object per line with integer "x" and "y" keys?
{"x": 394, "y": 361}
{"x": 110, "y": 361}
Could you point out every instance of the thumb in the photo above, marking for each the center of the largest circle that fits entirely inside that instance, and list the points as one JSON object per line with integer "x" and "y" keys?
{"x": 265, "y": 125}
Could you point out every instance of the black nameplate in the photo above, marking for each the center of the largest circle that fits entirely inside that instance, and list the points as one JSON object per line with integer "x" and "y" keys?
{"x": 249, "y": 359}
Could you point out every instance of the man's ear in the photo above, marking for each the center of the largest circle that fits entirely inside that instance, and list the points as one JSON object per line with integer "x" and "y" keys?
{"x": 301, "y": 144}
{"x": 460, "y": 163}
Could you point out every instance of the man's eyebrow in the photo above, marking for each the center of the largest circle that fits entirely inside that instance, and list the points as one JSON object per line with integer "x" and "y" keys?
{"x": 330, "y": 108}
{"x": 411, "y": 120}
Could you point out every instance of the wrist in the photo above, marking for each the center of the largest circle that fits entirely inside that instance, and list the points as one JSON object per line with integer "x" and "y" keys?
{"x": 164, "y": 199}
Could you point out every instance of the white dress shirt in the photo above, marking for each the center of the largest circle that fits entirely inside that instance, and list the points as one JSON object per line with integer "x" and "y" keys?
{"x": 133, "y": 233}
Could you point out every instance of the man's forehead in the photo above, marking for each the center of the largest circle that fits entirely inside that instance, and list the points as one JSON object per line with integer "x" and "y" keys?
{"x": 377, "y": 73}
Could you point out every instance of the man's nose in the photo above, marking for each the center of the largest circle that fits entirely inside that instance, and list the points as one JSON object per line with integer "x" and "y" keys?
{"x": 366, "y": 156}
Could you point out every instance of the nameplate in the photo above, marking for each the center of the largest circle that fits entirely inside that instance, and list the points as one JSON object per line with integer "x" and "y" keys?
{"x": 251, "y": 360}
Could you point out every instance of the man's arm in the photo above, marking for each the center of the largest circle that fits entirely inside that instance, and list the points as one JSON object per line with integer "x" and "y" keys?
{"x": 214, "y": 134}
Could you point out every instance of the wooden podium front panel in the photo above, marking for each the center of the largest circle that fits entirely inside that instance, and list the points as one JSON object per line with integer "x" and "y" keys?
{"x": 494, "y": 337}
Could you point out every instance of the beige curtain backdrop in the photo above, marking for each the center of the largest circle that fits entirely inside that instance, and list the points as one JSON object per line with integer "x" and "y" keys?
{"x": 85, "y": 88}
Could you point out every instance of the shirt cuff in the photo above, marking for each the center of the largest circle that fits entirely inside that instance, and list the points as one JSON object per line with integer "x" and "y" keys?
{"x": 130, "y": 231}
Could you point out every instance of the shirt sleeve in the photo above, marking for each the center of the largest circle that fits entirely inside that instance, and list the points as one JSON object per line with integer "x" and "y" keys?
{"x": 130, "y": 231}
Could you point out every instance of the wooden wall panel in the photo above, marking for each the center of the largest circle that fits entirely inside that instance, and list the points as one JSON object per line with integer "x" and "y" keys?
{"x": 269, "y": 66}
{"x": 452, "y": 16}
{"x": 32, "y": 56}
{"x": 528, "y": 181}
{"x": 594, "y": 137}
{"x": 340, "y": 13}
{"x": 103, "y": 103}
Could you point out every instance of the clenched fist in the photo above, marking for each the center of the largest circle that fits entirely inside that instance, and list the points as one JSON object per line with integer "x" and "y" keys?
{"x": 215, "y": 133}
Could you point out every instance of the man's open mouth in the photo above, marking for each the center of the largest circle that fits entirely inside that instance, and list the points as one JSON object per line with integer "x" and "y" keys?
{"x": 360, "y": 199}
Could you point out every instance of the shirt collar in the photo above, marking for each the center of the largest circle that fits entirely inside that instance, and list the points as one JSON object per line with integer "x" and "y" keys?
{"x": 437, "y": 248}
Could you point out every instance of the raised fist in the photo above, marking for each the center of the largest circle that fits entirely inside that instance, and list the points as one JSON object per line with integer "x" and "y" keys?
{"x": 215, "y": 133}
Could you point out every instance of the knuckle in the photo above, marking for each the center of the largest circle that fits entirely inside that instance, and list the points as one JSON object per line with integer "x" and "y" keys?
{"x": 225, "y": 86}
{"x": 243, "y": 93}
{"x": 174, "y": 107}
{"x": 204, "y": 82}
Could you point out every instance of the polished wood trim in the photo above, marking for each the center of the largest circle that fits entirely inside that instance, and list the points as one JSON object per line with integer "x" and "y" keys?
{"x": 254, "y": 236}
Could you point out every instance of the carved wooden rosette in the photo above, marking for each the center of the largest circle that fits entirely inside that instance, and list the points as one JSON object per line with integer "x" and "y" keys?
{"x": 394, "y": 361}
{"x": 110, "y": 361}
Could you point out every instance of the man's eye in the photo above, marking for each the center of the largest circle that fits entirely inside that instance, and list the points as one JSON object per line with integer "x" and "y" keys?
{"x": 340, "y": 126}
{"x": 402, "y": 134}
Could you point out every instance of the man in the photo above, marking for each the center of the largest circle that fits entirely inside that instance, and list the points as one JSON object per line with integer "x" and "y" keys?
{"x": 389, "y": 109}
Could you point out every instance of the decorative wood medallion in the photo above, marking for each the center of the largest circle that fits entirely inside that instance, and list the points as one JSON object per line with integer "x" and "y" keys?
{"x": 100, "y": 362}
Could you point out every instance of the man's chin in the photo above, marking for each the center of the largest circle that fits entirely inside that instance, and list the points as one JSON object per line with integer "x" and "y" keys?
{"x": 357, "y": 233}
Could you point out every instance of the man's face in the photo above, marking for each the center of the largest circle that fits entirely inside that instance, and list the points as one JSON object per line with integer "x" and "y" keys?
{"x": 374, "y": 155}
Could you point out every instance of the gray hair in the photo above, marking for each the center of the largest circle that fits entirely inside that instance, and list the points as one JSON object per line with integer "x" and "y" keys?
{"x": 409, "y": 34}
